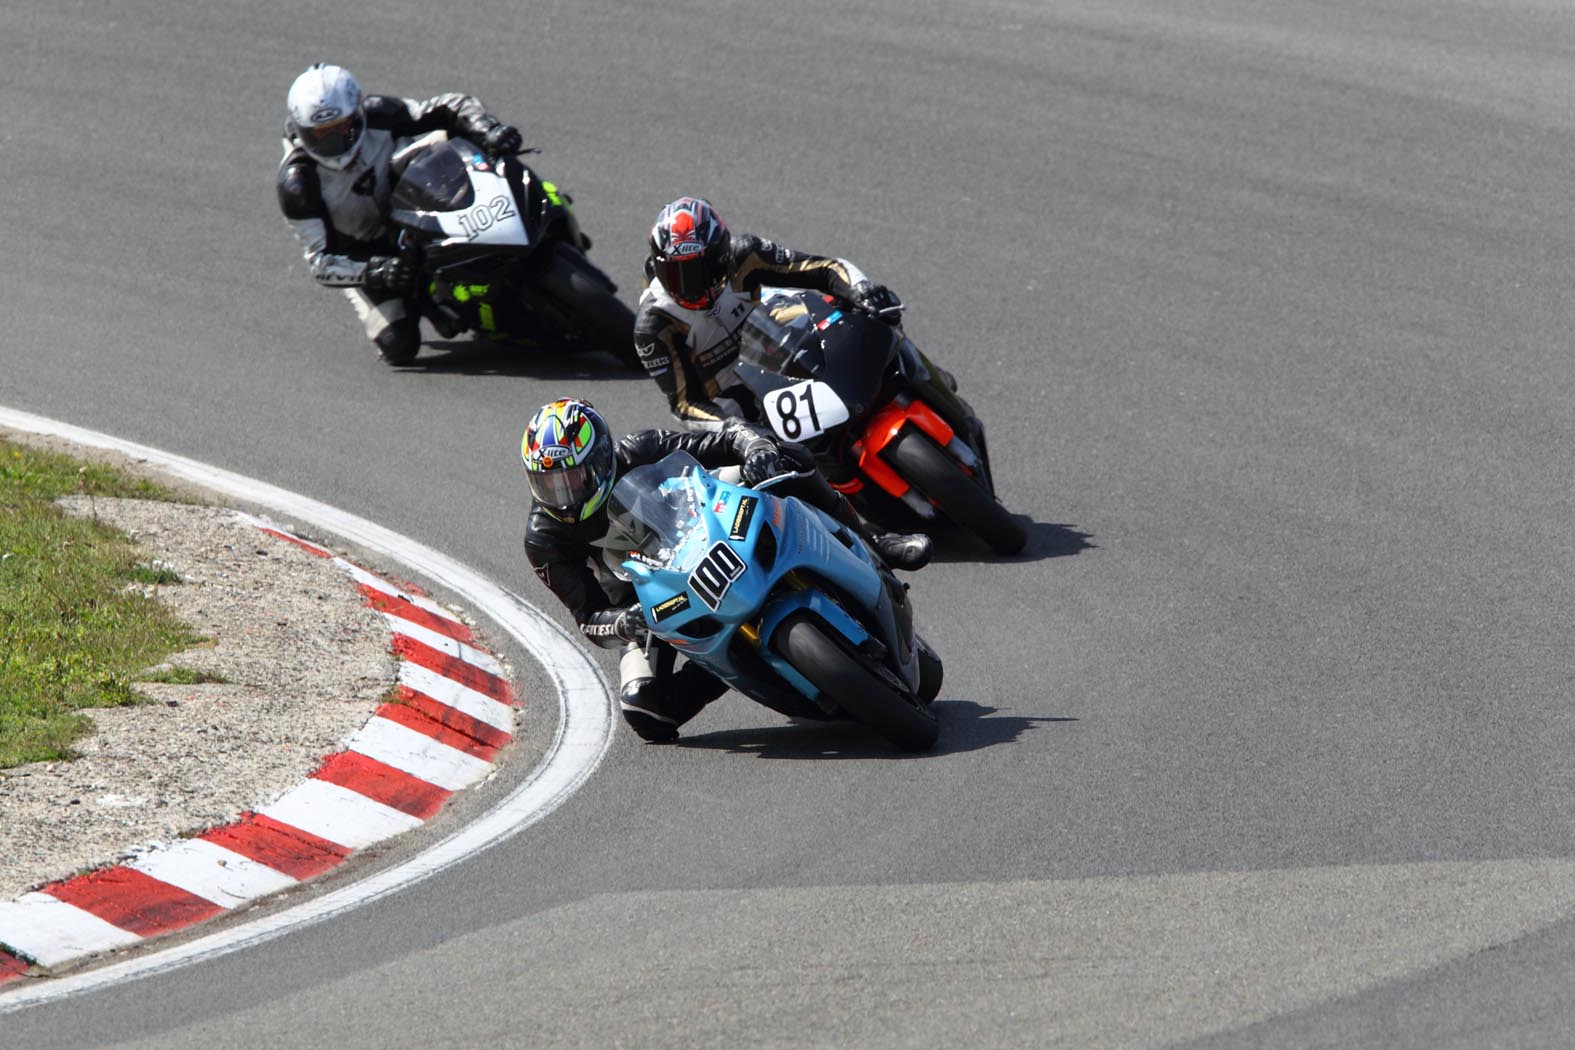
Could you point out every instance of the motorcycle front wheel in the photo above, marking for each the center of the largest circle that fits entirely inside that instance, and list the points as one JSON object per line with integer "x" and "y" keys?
{"x": 807, "y": 645}
{"x": 580, "y": 293}
{"x": 960, "y": 498}
{"x": 931, "y": 672}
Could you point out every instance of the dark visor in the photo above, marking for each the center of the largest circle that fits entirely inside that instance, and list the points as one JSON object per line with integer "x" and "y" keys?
{"x": 332, "y": 140}
{"x": 690, "y": 279}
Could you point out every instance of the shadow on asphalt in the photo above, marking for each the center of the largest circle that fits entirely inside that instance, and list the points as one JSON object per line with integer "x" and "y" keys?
{"x": 1045, "y": 540}
{"x": 481, "y": 358}
{"x": 965, "y": 726}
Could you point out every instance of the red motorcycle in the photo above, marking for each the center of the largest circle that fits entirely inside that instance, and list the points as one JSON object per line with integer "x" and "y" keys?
{"x": 886, "y": 425}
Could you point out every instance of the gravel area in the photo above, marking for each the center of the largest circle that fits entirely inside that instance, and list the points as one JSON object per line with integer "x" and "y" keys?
{"x": 304, "y": 660}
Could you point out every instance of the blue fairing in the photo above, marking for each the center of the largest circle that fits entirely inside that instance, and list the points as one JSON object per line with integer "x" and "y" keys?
{"x": 708, "y": 558}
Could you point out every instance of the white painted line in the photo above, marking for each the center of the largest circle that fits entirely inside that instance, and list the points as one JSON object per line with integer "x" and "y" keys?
{"x": 339, "y": 815}
{"x": 382, "y": 586}
{"x": 461, "y": 698}
{"x": 583, "y": 735}
{"x": 208, "y": 870}
{"x": 421, "y": 756}
{"x": 444, "y": 644}
{"x": 51, "y": 932}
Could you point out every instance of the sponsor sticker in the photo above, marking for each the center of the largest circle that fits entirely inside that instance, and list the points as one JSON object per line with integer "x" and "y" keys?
{"x": 671, "y": 607}
{"x": 742, "y": 517}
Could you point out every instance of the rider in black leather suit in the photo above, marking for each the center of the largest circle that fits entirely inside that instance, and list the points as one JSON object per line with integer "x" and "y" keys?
{"x": 572, "y": 462}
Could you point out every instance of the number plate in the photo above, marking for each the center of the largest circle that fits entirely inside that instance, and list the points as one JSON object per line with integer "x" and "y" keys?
{"x": 715, "y": 574}
{"x": 804, "y": 410}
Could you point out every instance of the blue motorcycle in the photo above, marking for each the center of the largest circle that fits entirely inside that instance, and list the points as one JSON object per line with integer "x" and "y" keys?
{"x": 774, "y": 596}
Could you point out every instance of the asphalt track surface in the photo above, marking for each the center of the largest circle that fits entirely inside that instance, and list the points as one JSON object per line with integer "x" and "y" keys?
{"x": 1266, "y": 739}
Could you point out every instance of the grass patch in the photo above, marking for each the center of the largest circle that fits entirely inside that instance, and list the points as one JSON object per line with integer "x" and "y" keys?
{"x": 73, "y": 632}
{"x": 157, "y": 572}
{"x": 177, "y": 675}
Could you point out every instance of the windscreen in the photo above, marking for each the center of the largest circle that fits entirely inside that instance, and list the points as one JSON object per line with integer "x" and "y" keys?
{"x": 655, "y": 509}
{"x": 781, "y": 336}
{"x": 438, "y": 179}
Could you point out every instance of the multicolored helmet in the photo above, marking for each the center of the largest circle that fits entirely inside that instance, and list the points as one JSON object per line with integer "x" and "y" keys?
{"x": 568, "y": 454}
{"x": 326, "y": 117}
{"x": 689, "y": 251}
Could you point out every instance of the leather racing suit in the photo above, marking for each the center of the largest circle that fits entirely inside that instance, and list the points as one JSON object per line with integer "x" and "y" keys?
{"x": 655, "y": 698}
{"x": 690, "y": 353}
{"x": 340, "y": 215}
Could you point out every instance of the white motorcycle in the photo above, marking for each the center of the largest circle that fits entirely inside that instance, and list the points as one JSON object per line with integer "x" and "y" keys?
{"x": 500, "y": 253}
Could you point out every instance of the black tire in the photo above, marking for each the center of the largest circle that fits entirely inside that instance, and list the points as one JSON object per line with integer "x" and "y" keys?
{"x": 580, "y": 293}
{"x": 804, "y": 643}
{"x": 960, "y": 498}
{"x": 931, "y": 672}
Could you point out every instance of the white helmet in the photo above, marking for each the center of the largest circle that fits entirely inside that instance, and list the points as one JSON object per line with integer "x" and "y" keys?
{"x": 325, "y": 115}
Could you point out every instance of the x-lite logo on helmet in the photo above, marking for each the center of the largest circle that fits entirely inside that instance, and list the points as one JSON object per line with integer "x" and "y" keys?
{"x": 553, "y": 454}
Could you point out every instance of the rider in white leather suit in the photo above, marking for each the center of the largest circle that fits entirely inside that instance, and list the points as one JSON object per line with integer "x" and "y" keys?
{"x": 334, "y": 183}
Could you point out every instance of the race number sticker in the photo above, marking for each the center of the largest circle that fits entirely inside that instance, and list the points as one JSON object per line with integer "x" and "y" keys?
{"x": 804, "y": 410}
{"x": 715, "y": 574}
{"x": 483, "y": 217}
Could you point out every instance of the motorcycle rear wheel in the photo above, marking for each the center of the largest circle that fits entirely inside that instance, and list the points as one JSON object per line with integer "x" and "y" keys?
{"x": 808, "y": 646}
{"x": 960, "y": 498}
{"x": 579, "y": 293}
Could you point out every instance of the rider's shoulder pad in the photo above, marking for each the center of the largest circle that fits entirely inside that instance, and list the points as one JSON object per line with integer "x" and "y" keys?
{"x": 300, "y": 195}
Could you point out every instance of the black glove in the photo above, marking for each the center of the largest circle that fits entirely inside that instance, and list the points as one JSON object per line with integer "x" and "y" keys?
{"x": 630, "y": 625}
{"x": 761, "y": 461}
{"x": 877, "y": 300}
{"x": 502, "y": 140}
{"x": 390, "y": 275}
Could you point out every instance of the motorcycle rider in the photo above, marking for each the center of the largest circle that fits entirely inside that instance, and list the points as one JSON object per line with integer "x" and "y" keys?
{"x": 334, "y": 183}
{"x": 571, "y": 463}
{"x": 701, "y": 282}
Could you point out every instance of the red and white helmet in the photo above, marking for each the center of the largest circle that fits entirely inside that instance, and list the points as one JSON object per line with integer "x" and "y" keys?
{"x": 690, "y": 251}
{"x": 326, "y": 116}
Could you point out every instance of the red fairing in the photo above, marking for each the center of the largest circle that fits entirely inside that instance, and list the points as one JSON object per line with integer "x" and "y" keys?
{"x": 883, "y": 428}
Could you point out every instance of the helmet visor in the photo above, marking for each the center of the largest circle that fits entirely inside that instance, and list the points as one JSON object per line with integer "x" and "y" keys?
{"x": 563, "y": 491}
{"x": 692, "y": 279}
{"x": 334, "y": 139}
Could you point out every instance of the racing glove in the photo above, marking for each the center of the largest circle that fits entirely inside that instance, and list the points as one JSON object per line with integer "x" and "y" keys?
{"x": 761, "y": 461}
{"x": 390, "y": 275}
{"x": 502, "y": 140}
{"x": 878, "y": 301}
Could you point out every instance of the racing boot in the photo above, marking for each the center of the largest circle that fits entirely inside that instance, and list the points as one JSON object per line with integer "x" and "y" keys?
{"x": 655, "y": 708}
{"x": 902, "y": 550}
{"x": 640, "y": 699}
